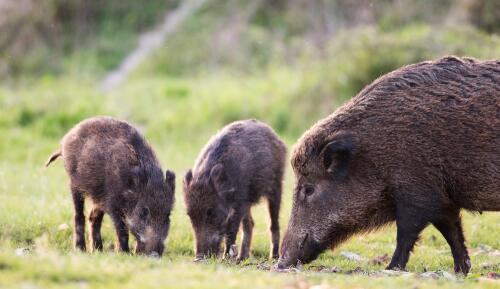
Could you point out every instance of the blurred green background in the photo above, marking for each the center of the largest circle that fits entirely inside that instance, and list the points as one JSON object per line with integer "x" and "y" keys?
{"x": 288, "y": 63}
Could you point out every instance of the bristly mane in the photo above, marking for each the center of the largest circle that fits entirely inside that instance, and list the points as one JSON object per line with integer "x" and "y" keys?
{"x": 428, "y": 73}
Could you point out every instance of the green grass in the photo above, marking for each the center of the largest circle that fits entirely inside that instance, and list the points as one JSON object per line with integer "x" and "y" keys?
{"x": 178, "y": 116}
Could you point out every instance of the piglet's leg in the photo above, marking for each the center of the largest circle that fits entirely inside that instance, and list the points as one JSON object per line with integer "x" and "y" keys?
{"x": 95, "y": 220}
{"x": 121, "y": 244}
{"x": 451, "y": 228}
{"x": 274, "y": 214}
{"x": 247, "y": 225}
{"x": 233, "y": 225}
{"x": 79, "y": 219}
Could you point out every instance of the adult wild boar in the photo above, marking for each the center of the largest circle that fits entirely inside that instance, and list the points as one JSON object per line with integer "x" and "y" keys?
{"x": 239, "y": 165}
{"x": 110, "y": 162}
{"x": 416, "y": 146}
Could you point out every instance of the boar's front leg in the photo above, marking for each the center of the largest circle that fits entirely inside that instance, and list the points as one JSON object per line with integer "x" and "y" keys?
{"x": 95, "y": 219}
{"x": 410, "y": 221}
{"x": 450, "y": 227}
{"x": 121, "y": 232}
{"x": 247, "y": 225}
{"x": 232, "y": 230}
{"x": 79, "y": 230}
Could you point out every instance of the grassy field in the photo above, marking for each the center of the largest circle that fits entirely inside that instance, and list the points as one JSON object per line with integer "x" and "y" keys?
{"x": 282, "y": 62}
{"x": 178, "y": 116}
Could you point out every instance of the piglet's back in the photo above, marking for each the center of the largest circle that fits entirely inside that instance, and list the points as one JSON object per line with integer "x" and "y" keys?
{"x": 247, "y": 144}
{"x": 102, "y": 146}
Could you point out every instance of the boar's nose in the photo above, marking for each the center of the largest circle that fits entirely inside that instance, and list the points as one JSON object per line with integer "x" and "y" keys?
{"x": 154, "y": 251}
{"x": 281, "y": 265}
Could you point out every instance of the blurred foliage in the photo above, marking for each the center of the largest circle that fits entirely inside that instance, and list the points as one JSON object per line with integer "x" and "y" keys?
{"x": 485, "y": 15}
{"x": 57, "y": 36}
{"x": 232, "y": 60}
{"x": 36, "y": 36}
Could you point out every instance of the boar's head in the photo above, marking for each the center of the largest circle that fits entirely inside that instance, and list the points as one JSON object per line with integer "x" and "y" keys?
{"x": 149, "y": 220}
{"x": 209, "y": 208}
{"x": 337, "y": 194}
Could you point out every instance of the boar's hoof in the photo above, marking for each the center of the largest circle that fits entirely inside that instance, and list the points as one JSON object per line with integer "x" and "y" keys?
{"x": 395, "y": 268}
{"x": 280, "y": 266}
{"x": 233, "y": 251}
{"x": 463, "y": 267}
{"x": 199, "y": 259}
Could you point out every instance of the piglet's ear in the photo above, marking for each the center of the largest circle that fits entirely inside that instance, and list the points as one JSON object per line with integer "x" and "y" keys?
{"x": 217, "y": 176}
{"x": 170, "y": 179}
{"x": 337, "y": 155}
{"x": 219, "y": 180}
{"x": 188, "y": 178}
{"x": 135, "y": 176}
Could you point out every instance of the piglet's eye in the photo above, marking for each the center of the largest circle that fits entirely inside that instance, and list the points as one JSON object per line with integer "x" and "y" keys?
{"x": 144, "y": 213}
{"x": 210, "y": 212}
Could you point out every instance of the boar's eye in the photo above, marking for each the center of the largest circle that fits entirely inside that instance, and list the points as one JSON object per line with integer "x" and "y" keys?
{"x": 307, "y": 190}
{"x": 144, "y": 213}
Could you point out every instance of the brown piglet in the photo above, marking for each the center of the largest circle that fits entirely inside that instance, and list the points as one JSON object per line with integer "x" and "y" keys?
{"x": 109, "y": 162}
{"x": 241, "y": 164}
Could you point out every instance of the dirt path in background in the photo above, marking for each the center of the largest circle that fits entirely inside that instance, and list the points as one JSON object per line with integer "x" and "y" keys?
{"x": 149, "y": 41}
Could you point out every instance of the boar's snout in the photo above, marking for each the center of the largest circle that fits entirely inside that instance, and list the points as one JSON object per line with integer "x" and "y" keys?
{"x": 152, "y": 248}
{"x": 207, "y": 246}
{"x": 300, "y": 248}
{"x": 156, "y": 251}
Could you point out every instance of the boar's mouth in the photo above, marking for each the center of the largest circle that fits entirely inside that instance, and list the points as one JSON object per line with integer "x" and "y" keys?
{"x": 152, "y": 249}
{"x": 155, "y": 252}
{"x": 303, "y": 251}
{"x": 307, "y": 249}
{"x": 208, "y": 247}
{"x": 206, "y": 255}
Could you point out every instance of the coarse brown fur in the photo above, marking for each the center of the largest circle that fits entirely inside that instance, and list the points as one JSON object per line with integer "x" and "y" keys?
{"x": 242, "y": 163}
{"x": 416, "y": 146}
{"x": 111, "y": 163}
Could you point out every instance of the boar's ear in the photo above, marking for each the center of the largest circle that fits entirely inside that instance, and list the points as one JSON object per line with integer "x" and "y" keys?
{"x": 170, "y": 179}
{"x": 337, "y": 155}
{"x": 188, "y": 178}
{"x": 219, "y": 181}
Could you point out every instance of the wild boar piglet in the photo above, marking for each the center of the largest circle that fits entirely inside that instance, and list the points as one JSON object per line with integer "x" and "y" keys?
{"x": 111, "y": 163}
{"x": 239, "y": 165}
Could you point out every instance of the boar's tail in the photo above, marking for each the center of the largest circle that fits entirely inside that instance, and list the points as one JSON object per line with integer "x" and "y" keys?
{"x": 53, "y": 157}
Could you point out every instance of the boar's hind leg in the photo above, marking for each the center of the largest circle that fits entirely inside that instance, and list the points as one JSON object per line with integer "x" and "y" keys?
{"x": 451, "y": 228}
{"x": 95, "y": 220}
{"x": 247, "y": 226}
{"x": 79, "y": 230}
{"x": 410, "y": 222}
{"x": 121, "y": 232}
{"x": 274, "y": 213}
